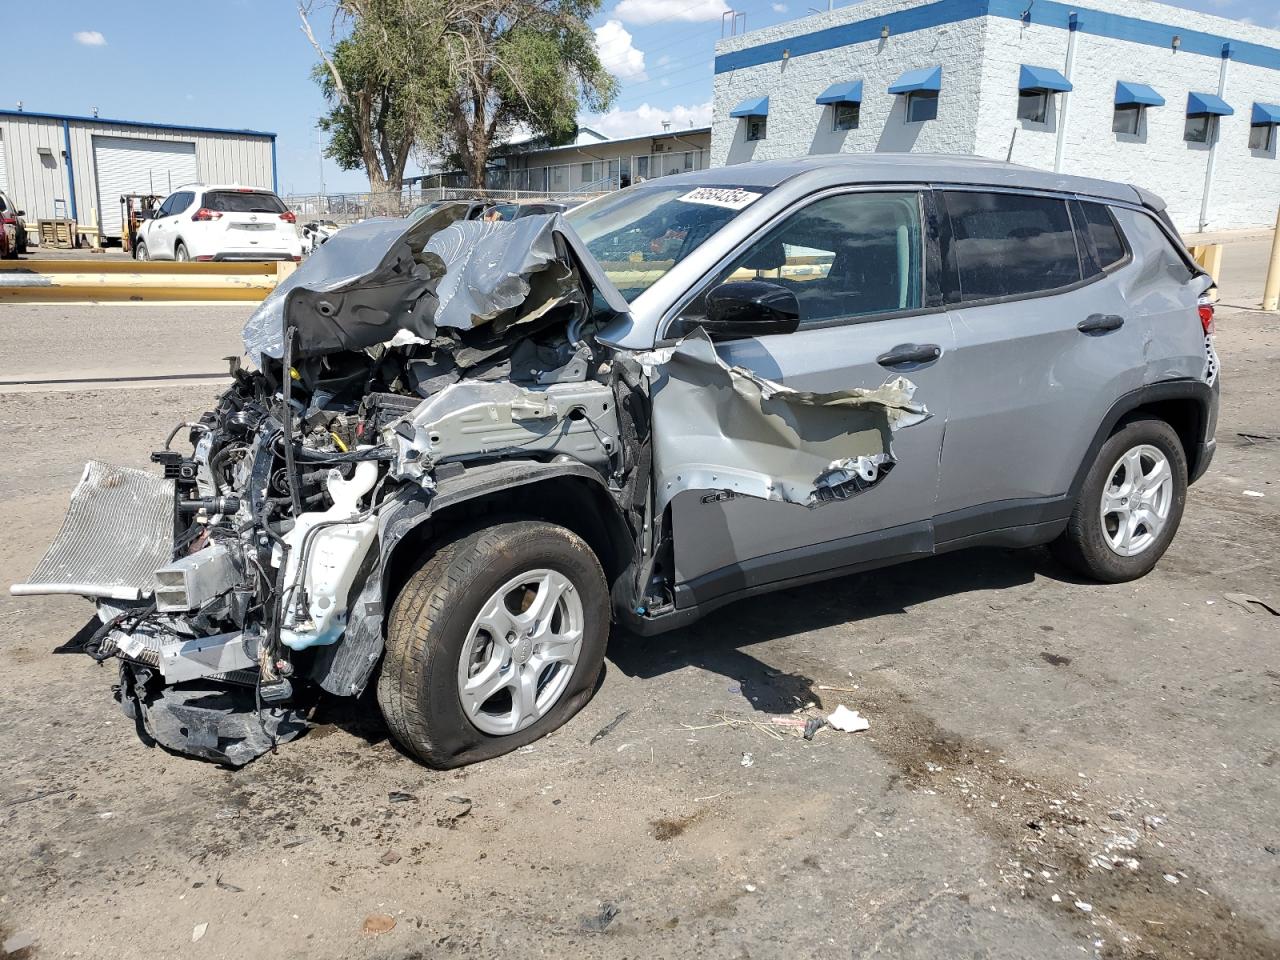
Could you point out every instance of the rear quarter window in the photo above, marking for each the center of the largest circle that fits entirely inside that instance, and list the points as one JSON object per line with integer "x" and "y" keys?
{"x": 1104, "y": 233}
{"x": 1010, "y": 244}
{"x": 243, "y": 201}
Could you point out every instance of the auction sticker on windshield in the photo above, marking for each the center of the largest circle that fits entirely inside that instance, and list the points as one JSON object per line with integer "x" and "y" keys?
{"x": 730, "y": 197}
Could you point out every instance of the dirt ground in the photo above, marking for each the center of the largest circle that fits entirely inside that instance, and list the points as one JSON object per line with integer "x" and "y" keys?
{"x": 1053, "y": 767}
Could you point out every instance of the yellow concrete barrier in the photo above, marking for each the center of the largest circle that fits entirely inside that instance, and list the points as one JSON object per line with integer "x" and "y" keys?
{"x": 125, "y": 281}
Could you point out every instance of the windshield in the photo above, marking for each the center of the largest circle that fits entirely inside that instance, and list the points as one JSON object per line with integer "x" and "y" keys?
{"x": 640, "y": 233}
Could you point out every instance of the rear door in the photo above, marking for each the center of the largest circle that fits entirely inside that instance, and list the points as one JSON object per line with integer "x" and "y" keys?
{"x": 161, "y": 229}
{"x": 870, "y": 303}
{"x": 1045, "y": 344}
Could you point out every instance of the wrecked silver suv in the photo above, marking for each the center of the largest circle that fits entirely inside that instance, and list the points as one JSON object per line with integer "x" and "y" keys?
{"x": 463, "y": 449}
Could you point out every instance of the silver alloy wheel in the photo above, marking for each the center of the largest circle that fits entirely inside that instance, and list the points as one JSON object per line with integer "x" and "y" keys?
{"x": 180, "y": 254}
{"x": 1136, "y": 500}
{"x": 140, "y": 252}
{"x": 520, "y": 652}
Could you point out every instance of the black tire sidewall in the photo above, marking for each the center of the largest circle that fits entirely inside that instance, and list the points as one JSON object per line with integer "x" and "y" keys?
{"x": 485, "y": 561}
{"x": 1103, "y": 562}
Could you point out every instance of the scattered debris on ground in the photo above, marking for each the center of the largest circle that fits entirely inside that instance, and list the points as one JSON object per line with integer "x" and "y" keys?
{"x": 608, "y": 728}
{"x": 378, "y": 923}
{"x": 1250, "y": 603}
{"x": 198, "y": 931}
{"x": 599, "y": 922}
{"x": 847, "y": 721}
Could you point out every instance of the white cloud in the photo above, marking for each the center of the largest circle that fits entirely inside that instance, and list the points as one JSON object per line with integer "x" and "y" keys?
{"x": 90, "y": 38}
{"x": 617, "y": 53}
{"x": 653, "y": 11}
{"x": 645, "y": 119}
{"x": 779, "y": 7}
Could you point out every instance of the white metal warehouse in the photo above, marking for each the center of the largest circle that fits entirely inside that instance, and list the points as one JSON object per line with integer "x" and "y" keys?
{"x": 54, "y": 165}
{"x": 1183, "y": 103}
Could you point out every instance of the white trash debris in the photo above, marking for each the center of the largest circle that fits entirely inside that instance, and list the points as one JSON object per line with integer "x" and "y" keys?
{"x": 748, "y": 760}
{"x": 1170, "y": 878}
{"x": 1253, "y": 493}
{"x": 198, "y": 931}
{"x": 1086, "y": 907}
{"x": 847, "y": 721}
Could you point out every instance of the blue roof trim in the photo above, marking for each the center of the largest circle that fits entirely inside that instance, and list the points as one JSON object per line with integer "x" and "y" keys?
{"x": 916, "y": 81}
{"x": 1043, "y": 78}
{"x": 1265, "y": 113}
{"x": 1136, "y": 95}
{"x": 751, "y": 107}
{"x": 65, "y": 117}
{"x": 1048, "y": 13}
{"x": 848, "y": 92}
{"x": 1199, "y": 104}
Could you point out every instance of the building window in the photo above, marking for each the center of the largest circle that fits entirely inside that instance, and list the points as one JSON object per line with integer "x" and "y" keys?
{"x": 844, "y": 116}
{"x": 1260, "y": 136}
{"x": 1199, "y": 129}
{"x": 586, "y": 173}
{"x": 756, "y": 128}
{"x": 921, "y": 106}
{"x": 1127, "y": 119}
{"x": 1033, "y": 105}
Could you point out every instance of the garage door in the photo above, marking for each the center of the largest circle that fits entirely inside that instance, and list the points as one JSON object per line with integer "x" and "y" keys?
{"x": 138, "y": 166}
{"x": 4, "y": 173}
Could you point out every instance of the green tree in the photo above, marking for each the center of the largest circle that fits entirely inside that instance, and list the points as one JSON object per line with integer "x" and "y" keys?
{"x": 454, "y": 78}
{"x": 519, "y": 63}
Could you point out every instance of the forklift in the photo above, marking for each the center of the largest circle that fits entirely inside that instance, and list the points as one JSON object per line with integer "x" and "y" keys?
{"x": 134, "y": 209}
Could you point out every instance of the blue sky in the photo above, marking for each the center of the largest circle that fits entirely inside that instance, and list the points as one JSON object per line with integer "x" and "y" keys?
{"x": 246, "y": 64}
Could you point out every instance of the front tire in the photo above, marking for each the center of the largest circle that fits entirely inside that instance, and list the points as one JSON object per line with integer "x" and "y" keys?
{"x": 1130, "y": 505}
{"x": 495, "y": 641}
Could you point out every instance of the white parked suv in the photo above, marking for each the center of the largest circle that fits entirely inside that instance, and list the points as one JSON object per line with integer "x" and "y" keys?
{"x": 199, "y": 222}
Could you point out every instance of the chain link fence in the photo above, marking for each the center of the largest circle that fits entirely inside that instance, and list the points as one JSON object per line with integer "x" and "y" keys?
{"x": 346, "y": 208}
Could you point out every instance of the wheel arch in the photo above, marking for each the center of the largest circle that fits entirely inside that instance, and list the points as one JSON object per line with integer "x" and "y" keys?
{"x": 1183, "y": 404}
{"x": 569, "y": 494}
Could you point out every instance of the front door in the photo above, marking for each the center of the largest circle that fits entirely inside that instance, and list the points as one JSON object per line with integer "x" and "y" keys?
{"x": 870, "y": 313}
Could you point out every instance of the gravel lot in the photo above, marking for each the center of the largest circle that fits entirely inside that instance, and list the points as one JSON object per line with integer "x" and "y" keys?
{"x": 1030, "y": 736}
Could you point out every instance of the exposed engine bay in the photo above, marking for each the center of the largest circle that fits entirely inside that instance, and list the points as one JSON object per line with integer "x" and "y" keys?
{"x": 405, "y": 369}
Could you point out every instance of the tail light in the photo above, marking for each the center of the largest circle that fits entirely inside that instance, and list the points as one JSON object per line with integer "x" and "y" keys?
{"x": 10, "y": 221}
{"x": 1206, "y": 315}
{"x": 204, "y": 213}
{"x": 289, "y": 217}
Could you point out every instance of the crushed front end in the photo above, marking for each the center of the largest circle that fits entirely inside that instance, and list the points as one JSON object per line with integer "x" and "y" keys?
{"x": 238, "y": 580}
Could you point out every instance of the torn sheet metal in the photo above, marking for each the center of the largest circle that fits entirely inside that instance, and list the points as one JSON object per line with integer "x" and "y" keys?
{"x": 118, "y": 530}
{"x": 476, "y": 419}
{"x": 725, "y": 428}
{"x": 376, "y": 280}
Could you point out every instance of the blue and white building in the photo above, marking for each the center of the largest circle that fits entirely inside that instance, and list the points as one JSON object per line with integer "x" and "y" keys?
{"x": 1180, "y": 102}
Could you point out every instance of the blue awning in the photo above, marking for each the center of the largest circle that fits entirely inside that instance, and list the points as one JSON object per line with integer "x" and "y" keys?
{"x": 918, "y": 81}
{"x": 751, "y": 107}
{"x": 1265, "y": 113}
{"x": 1137, "y": 95}
{"x": 848, "y": 92}
{"x": 1200, "y": 104}
{"x": 1042, "y": 78}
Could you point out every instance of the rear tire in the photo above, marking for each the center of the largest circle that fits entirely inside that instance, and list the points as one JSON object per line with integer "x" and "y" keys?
{"x": 140, "y": 251}
{"x": 442, "y": 644}
{"x": 1130, "y": 504}
{"x": 180, "y": 252}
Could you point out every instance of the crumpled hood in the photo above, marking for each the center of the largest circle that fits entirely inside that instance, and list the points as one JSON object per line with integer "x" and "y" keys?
{"x": 374, "y": 279}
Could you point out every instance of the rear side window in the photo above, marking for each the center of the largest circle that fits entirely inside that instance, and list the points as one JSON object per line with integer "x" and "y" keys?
{"x": 1010, "y": 244}
{"x": 1104, "y": 233}
{"x": 243, "y": 201}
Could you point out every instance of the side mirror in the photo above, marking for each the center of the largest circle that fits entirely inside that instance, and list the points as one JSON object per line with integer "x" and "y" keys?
{"x": 22, "y": 213}
{"x": 750, "y": 308}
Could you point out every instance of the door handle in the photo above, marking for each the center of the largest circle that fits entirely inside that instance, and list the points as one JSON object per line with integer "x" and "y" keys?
{"x": 904, "y": 353}
{"x": 1100, "y": 323}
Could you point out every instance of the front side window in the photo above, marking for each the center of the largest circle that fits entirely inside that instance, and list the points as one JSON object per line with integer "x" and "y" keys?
{"x": 845, "y": 257}
{"x": 845, "y": 116}
{"x": 1010, "y": 244}
{"x": 756, "y": 128}
{"x": 1260, "y": 136}
{"x": 922, "y": 106}
{"x": 1033, "y": 105}
{"x": 1126, "y": 119}
{"x": 640, "y": 233}
{"x": 1199, "y": 129}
